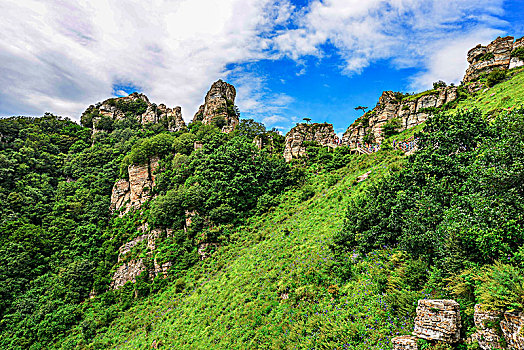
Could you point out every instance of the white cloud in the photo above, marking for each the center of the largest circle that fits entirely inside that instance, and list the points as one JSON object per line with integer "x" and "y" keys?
{"x": 408, "y": 32}
{"x": 61, "y": 56}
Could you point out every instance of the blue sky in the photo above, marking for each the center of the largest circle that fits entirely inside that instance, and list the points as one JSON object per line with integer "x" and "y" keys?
{"x": 287, "y": 59}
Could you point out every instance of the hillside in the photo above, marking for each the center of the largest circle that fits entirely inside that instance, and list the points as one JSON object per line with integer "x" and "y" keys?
{"x": 136, "y": 231}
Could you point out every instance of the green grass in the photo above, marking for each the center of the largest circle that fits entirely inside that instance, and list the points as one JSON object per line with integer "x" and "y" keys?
{"x": 273, "y": 285}
{"x": 506, "y": 95}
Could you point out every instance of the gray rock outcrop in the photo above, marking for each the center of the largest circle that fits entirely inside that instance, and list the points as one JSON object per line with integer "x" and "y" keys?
{"x": 134, "y": 191}
{"x": 438, "y": 320}
{"x": 512, "y": 327}
{"x": 497, "y": 55}
{"x": 322, "y": 134}
{"x": 218, "y": 106}
{"x": 485, "y": 322}
{"x": 114, "y": 109}
{"x": 404, "y": 342}
{"x": 408, "y": 111}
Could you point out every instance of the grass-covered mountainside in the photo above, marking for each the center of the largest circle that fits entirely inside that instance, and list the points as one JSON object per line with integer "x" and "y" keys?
{"x": 307, "y": 255}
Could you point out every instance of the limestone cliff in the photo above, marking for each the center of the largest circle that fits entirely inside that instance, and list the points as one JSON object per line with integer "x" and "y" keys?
{"x": 407, "y": 111}
{"x": 320, "y": 133}
{"x": 132, "y": 265}
{"x": 134, "y": 191}
{"x": 218, "y": 107}
{"x": 138, "y": 105}
{"x": 497, "y": 55}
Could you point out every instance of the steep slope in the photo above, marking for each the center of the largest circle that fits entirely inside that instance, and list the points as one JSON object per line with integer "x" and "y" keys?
{"x": 273, "y": 286}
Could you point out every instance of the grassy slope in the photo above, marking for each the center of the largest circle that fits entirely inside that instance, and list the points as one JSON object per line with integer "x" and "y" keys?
{"x": 509, "y": 94}
{"x": 234, "y": 300}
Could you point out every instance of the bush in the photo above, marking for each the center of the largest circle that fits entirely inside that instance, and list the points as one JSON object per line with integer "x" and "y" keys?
{"x": 501, "y": 287}
{"x": 439, "y": 84}
{"x": 495, "y": 77}
{"x": 391, "y": 127}
{"x": 519, "y": 53}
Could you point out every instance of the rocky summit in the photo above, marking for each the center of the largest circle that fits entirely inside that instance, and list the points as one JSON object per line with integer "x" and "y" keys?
{"x": 137, "y": 107}
{"x": 219, "y": 107}
{"x": 500, "y": 54}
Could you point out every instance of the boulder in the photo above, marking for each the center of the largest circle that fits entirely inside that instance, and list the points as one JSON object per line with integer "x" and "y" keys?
{"x": 438, "y": 320}
{"x": 404, "y": 342}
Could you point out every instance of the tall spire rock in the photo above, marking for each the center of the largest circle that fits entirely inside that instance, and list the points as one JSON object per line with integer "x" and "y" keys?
{"x": 219, "y": 107}
{"x": 136, "y": 106}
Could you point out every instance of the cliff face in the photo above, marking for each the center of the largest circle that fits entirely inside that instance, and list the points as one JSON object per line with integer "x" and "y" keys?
{"x": 218, "y": 106}
{"x": 407, "y": 111}
{"x": 138, "y": 104}
{"x": 497, "y": 55}
{"x": 134, "y": 191}
{"x": 295, "y": 138}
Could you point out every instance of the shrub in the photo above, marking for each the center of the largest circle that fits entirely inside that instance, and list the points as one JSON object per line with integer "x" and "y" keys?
{"x": 495, "y": 77}
{"x": 439, "y": 84}
{"x": 501, "y": 287}
{"x": 391, "y": 127}
{"x": 487, "y": 56}
{"x": 519, "y": 53}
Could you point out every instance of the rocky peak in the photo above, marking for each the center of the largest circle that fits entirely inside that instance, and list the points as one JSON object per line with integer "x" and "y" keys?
{"x": 136, "y": 104}
{"x": 219, "y": 104}
{"x": 496, "y": 55}
{"x": 320, "y": 133}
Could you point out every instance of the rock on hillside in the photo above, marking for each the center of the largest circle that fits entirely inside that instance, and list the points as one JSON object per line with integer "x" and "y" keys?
{"x": 132, "y": 193}
{"x": 497, "y": 55}
{"x": 320, "y": 133}
{"x": 138, "y": 105}
{"x": 407, "y": 111}
{"x": 219, "y": 106}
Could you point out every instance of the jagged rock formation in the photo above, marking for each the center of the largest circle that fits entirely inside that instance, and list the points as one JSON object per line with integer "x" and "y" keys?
{"x": 404, "y": 342}
{"x": 513, "y": 329}
{"x": 406, "y": 111}
{"x": 485, "y": 335}
{"x": 138, "y": 104}
{"x": 218, "y": 106}
{"x": 320, "y": 133}
{"x": 131, "y": 268}
{"x": 438, "y": 320}
{"x": 497, "y": 55}
{"x": 134, "y": 191}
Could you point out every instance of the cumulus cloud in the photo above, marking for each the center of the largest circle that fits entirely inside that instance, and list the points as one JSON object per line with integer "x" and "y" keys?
{"x": 408, "y": 32}
{"x": 60, "y": 56}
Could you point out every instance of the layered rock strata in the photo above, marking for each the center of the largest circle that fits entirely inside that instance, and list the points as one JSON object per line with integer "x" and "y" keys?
{"x": 134, "y": 191}
{"x": 404, "y": 342}
{"x": 114, "y": 110}
{"x": 496, "y": 55}
{"x": 219, "y": 106}
{"x": 407, "y": 111}
{"x": 485, "y": 322}
{"x": 438, "y": 320}
{"x": 322, "y": 134}
{"x": 512, "y": 327}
